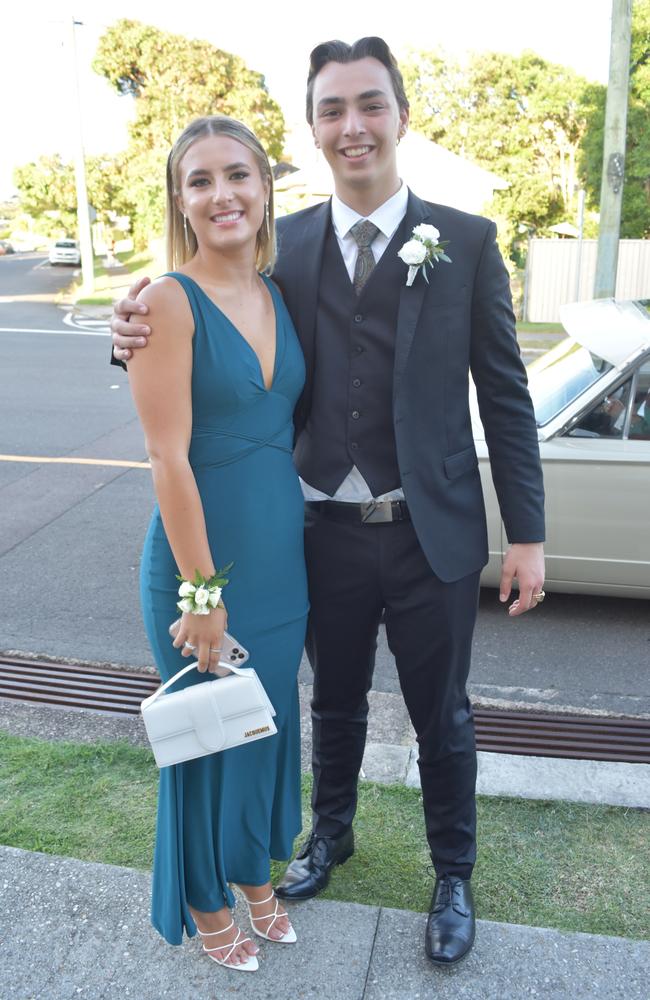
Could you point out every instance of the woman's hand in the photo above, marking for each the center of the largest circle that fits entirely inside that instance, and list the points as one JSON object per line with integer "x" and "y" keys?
{"x": 201, "y": 636}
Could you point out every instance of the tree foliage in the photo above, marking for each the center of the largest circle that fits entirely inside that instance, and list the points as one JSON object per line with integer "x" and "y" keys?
{"x": 48, "y": 192}
{"x": 635, "y": 210}
{"x": 519, "y": 116}
{"x": 173, "y": 80}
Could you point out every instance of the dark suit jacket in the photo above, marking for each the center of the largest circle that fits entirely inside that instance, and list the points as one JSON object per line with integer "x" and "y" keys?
{"x": 460, "y": 321}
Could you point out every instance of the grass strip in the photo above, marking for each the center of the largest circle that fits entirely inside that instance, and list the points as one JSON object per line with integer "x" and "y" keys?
{"x": 107, "y": 281}
{"x": 550, "y": 864}
{"x": 533, "y": 328}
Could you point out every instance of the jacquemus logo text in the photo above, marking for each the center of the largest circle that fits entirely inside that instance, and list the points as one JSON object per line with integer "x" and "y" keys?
{"x": 256, "y": 732}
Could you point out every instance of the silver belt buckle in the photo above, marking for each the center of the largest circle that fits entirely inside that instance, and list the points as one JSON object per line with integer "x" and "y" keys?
{"x": 375, "y": 512}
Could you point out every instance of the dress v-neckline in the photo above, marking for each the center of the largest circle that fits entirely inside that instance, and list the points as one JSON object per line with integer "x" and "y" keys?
{"x": 266, "y": 388}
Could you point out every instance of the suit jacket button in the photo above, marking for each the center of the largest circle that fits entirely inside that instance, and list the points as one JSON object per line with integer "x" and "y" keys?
{"x": 356, "y": 382}
{"x": 358, "y": 318}
{"x": 355, "y": 414}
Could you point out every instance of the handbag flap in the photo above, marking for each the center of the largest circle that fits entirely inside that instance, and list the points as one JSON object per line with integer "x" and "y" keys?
{"x": 206, "y": 716}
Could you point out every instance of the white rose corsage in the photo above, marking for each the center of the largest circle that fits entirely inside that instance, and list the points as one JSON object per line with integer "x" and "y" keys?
{"x": 200, "y": 595}
{"x": 423, "y": 248}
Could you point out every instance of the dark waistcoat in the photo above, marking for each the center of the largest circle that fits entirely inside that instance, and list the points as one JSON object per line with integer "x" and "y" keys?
{"x": 351, "y": 416}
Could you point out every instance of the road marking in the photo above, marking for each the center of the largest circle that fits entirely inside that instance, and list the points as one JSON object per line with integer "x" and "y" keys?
{"x": 70, "y": 333}
{"x": 43, "y": 460}
{"x": 82, "y": 322}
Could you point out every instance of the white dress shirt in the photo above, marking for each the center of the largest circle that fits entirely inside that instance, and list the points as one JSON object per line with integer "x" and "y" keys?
{"x": 387, "y": 218}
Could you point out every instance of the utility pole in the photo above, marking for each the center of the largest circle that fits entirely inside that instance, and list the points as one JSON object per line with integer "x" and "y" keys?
{"x": 83, "y": 211}
{"x": 611, "y": 191}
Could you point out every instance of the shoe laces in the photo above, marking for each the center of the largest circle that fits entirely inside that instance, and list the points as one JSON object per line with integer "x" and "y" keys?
{"x": 449, "y": 893}
{"x": 317, "y": 847}
{"x": 306, "y": 847}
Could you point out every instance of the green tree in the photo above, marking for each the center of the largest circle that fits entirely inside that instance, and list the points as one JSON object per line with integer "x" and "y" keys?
{"x": 635, "y": 210}
{"x": 519, "y": 116}
{"x": 172, "y": 80}
{"x": 48, "y": 192}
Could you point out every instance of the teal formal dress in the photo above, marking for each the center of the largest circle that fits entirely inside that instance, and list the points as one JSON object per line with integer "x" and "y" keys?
{"x": 221, "y": 816}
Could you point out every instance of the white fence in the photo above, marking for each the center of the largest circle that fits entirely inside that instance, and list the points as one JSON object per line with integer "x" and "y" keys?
{"x": 560, "y": 271}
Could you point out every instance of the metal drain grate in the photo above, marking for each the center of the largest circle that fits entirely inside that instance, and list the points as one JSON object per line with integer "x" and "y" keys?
{"x": 72, "y": 686}
{"x": 579, "y": 737}
{"x": 499, "y": 731}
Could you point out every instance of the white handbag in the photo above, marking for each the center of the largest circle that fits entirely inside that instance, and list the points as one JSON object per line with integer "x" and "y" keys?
{"x": 209, "y": 717}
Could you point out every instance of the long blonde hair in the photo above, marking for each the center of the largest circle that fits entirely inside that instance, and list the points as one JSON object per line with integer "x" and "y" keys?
{"x": 179, "y": 251}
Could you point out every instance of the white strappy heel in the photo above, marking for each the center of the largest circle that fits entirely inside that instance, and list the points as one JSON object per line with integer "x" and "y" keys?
{"x": 250, "y": 965}
{"x": 289, "y": 937}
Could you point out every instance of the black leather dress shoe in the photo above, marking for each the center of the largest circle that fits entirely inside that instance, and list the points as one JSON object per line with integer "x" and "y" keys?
{"x": 451, "y": 925}
{"x": 310, "y": 872}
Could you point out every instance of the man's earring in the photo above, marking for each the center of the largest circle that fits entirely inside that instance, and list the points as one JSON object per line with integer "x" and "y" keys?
{"x": 187, "y": 239}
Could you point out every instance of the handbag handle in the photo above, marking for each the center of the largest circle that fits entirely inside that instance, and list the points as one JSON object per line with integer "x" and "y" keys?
{"x": 241, "y": 671}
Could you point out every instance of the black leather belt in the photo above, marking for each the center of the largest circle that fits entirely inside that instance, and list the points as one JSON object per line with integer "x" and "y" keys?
{"x": 372, "y": 512}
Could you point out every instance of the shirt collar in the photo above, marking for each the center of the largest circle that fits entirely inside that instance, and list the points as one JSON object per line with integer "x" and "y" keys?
{"x": 387, "y": 217}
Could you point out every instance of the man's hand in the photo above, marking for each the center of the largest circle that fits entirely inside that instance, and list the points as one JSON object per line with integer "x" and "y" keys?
{"x": 526, "y": 563}
{"x": 128, "y": 336}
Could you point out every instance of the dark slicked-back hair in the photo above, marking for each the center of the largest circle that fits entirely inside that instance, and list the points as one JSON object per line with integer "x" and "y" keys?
{"x": 341, "y": 52}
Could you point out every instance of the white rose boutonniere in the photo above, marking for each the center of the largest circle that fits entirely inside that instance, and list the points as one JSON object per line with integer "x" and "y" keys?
{"x": 423, "y": 249}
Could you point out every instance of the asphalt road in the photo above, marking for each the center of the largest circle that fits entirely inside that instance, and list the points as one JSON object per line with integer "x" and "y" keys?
{"x": 70, "y": 534}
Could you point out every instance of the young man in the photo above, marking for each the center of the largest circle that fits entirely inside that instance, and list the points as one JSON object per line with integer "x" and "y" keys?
{"x": 395, "y": 522}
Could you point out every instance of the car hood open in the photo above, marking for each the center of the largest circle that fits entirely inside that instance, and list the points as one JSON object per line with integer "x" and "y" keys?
{"x": 614, "y": 330}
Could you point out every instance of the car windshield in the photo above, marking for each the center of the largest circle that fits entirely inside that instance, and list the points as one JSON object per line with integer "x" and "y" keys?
{"x": 560, "y": 376}
{"x": 68, "y": 244}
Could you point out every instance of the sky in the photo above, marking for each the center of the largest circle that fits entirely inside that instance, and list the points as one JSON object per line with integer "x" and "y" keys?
{"x": 37, "y": 104}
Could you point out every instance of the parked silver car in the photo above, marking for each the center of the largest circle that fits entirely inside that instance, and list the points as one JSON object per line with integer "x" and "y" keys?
{"x": 65, "y": 252}
{"x": 591, "y": 395}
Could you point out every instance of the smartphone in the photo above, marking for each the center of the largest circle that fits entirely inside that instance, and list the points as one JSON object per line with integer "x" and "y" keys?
{"x": 231, "y": 650}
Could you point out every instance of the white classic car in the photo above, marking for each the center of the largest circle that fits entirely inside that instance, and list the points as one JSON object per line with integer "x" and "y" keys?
{"x": 591, "y": 395}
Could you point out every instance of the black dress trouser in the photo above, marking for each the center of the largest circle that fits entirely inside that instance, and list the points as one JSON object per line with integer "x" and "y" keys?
{"x": 357, "y": 571}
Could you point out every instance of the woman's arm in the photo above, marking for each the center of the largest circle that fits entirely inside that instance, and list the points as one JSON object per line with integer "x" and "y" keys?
{"x": 161, "y": 383}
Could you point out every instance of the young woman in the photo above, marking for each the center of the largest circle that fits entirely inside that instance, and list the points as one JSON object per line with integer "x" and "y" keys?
{"x": 215, "y": 394}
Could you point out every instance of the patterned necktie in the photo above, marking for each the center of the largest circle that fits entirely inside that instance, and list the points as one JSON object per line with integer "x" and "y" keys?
{"x": 364, "y": 233}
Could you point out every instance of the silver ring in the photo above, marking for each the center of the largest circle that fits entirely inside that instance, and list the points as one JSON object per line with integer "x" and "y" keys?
{"x": 215, "y": 650}
{"x": 188, "y": 645}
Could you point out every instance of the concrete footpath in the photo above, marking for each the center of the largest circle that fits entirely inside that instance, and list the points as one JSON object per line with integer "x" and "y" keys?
{"x": 78, "y": 930}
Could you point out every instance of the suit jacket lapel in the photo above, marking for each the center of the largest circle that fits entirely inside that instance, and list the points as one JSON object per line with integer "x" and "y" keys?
{"x": 410, "y": 299}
